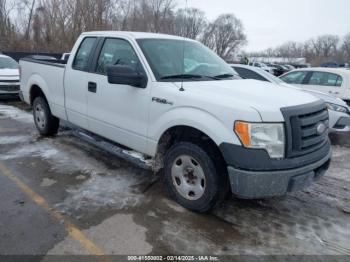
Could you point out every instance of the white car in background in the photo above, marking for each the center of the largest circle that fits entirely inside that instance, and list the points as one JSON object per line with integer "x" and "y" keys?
{"x": 263, "y": 66}
{"x": 9, "y": 76}
{"x": 339, "y": 111}
{"x": 333, "y": 81}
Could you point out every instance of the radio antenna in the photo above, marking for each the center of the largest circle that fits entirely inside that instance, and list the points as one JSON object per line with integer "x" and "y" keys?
{"x": 183, "y": 49}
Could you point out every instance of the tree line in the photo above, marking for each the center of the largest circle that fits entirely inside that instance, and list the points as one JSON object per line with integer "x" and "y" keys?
{"x": 322, "y": 49}
{"x": 54, "y": 25}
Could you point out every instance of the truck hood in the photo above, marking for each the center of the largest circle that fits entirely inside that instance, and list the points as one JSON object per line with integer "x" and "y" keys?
{"x": 264, "y": 97}
{"x": 9, "y": 73}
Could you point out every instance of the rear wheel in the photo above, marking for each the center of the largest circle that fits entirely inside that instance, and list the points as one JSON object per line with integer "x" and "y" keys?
{"x": 45, "y": 122}
{"x": 192, "y": 178}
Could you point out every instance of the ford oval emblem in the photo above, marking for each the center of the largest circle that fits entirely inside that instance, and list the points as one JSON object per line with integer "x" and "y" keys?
{"x": 321, "y": 128}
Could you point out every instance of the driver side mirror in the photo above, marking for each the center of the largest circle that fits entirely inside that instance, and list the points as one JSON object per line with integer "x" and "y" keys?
{"x": 126, "y": 75}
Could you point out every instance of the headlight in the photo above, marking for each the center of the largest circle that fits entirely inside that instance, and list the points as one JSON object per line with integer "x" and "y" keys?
{"x": 264, "y": 136}
{"x": 337, "y": 108}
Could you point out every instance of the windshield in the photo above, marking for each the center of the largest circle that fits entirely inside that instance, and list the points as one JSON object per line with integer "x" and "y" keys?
{"x": 184, "y": 60}
{"x": 8, "y": 63}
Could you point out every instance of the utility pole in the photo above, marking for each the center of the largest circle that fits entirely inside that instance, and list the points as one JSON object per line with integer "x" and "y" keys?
{"x": 30, "y": 20}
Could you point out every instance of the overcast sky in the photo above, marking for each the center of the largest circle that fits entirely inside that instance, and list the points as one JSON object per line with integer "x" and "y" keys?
{"x": 269, "y": 23}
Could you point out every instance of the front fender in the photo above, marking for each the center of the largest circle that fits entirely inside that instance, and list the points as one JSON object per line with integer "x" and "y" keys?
{"x": 196, "y": 118}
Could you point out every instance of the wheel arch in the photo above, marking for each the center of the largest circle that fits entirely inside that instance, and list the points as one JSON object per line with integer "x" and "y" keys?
{"x": 34, "y": 92}
{"x": 37, "y": 86}
{"x": 184, "y": 133}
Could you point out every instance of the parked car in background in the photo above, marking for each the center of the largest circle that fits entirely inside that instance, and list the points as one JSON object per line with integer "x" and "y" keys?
{"x": 289, "y": 67}
{"x": 339, "y": 111}
{"x": 9, "y": 76}
{"x": 278, "y": 69}
{"x": 333, "y": 81}
{"x": 263, "y": 67}
{"x": 197, "y": 122}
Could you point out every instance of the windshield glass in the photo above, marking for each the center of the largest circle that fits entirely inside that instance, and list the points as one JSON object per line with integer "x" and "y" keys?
{"x": 8, "y": 63}
{"x": 184, "y": 60}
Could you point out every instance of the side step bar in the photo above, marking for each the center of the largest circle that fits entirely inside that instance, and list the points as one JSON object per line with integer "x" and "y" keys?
{"x": 133, "y": 157}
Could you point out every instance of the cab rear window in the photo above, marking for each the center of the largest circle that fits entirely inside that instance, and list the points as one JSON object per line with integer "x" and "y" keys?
{"x": 82, "y": 57}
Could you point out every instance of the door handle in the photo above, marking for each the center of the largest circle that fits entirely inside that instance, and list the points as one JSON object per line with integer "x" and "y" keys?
{"x": 92, "y": 87}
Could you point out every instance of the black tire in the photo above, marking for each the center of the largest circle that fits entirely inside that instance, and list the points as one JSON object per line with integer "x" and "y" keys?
{"x": 216, "y": 183}
{"x": 46, "y": 123}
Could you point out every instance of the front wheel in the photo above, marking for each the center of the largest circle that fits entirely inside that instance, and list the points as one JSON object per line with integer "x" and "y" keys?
{"x": 45, "y": 122}
{"x": 192, "y": 178}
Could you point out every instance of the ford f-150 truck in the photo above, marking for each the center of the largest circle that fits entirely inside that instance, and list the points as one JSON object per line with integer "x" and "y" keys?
{"x": 178, "y": 104}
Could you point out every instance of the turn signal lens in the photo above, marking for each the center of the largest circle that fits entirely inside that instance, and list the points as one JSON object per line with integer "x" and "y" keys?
{"x": 242, "y": 130}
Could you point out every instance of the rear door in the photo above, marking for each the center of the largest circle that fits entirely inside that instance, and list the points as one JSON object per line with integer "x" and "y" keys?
{"x": 118, "y": 112}
{"x": 76, "y": 82}
{"x": 325, "y": 82}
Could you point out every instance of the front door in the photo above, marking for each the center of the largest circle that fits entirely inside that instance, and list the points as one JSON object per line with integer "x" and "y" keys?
{"x": 118, "y": 112}
{"x": 76, "y": 83}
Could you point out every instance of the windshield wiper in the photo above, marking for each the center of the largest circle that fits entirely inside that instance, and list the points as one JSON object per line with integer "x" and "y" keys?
{"x": 187, "y": 76}
{"x": 224, "y": 76}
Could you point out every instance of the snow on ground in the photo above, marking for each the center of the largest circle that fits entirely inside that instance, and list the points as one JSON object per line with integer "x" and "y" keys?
{"x": 105, "y": 186}
{"x": 4, "y": 140}
{"x": 15, "y": 113}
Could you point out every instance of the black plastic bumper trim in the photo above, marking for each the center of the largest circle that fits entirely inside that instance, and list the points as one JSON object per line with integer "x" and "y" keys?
{"x": 259, "y": 160}
{"x": 342, "y": 122}
{"x": 265, "y": 184}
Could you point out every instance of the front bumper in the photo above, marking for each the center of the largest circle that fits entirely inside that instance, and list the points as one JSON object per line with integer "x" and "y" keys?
{"x": 253, "y": 174}
{"x": 339, "y": 121}
{"x": 9, "y": 88}
{"x": 265, "y": 184}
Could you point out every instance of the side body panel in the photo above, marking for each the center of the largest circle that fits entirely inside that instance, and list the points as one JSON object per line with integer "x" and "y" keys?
{"x": 50, "y": 79}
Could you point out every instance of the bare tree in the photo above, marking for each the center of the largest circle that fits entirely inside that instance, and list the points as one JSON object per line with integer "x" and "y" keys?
{"x": 225, "y": 35}
{"x": 54, "y": 25}
{"x": 6, "y": 26}
{"x": 325, "y": 45}
{"x": 190, "y": 23}
{"x": 346, "y": 48}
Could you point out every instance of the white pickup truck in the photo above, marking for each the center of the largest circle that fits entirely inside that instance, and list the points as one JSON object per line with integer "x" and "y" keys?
{"x": 180, "y": 105}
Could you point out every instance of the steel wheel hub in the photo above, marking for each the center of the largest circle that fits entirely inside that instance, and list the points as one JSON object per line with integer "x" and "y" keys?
{"x": 40, "y": 117}
{"x": 188, "y": 177}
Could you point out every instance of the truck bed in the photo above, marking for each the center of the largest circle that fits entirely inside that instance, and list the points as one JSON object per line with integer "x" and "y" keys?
{"x": 50, "y": 75}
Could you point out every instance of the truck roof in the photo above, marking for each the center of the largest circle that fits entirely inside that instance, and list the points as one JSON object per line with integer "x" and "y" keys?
{"x": 135, "y": 35}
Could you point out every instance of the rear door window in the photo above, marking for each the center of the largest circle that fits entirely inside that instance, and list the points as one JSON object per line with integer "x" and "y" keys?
{"x": 294, "y": 77}
{"x": 325, "y": 79}
{"x": 83, "y": 55}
